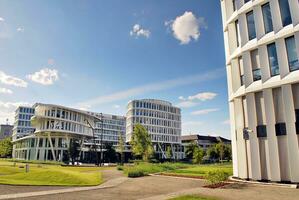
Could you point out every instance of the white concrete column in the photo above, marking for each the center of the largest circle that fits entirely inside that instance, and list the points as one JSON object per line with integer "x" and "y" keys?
{"x": 271, "y": 135}
{"x": 253, "y": 140}
{"x": 294, "y": 7}
{"x": 282, "y": 57}
{"x": 243, "y": 29}
{"x": 292, "y": 143}
{"x": 258, "y": 20}
{"x": 263, "y": 56}
{"x": 234, "y": 139}
{"x": 276, "y": 18}
{"x": 247, "y": 68}
{"x": 297, "y": 42}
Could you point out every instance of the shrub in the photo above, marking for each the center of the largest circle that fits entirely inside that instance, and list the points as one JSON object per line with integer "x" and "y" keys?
{"x": 217, "y": 176}
{"x": 120, "y": 168}
{"x": 133, "y": 173}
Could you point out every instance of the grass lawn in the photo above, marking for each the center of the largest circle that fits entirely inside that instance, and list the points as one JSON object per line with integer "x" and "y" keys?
{"x": 201, "y": 170}
{"x": 49, "y": 175}
{"x": 142, "y": 169}
{"x": 192, "y": 197}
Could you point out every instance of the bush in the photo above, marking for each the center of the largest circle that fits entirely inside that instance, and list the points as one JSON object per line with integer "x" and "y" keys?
{"x": 134, "y": 173}
{"x": 217, "y": 176}
{"x": 120, "y": 168}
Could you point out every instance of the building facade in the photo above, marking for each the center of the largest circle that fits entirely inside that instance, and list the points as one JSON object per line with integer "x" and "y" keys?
{"x": 22, "y": 124}
{"x": 55, "y": 127}
{"x": 163, "y": 122}
{"x": 5, "y": 131}
{"x": 203, "y": 141}
{"x": 262, "y": 46}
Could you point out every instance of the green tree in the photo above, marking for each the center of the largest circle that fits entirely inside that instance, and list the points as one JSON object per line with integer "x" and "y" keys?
{"x": 110, "y": 154}
{"x": 189, "y": 150}
{"x": 169, "y": 152}
{"x": 228, "y": 152}
{"x": 121, "y": 148}
{"x": 5, "y": 148}
{"x": 220, "y": 150}
{"x": 74, "y": 150}
{"x": 212, "y": 153}
{"x": 198, "y": 155}
{"x": 141, "y": 143}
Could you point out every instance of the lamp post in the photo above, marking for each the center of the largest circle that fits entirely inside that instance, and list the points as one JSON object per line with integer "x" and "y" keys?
{"x": 101, "y": 149}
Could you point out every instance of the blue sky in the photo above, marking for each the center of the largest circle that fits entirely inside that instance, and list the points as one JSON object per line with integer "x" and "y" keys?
{"x": 98, "y": 55}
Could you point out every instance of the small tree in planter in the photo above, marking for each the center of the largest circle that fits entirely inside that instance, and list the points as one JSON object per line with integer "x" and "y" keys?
{"x": 216, "y": 178}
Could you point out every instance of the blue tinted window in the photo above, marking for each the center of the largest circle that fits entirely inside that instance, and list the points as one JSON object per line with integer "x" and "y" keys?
{"x": 267, "y": 18}
{"x": 292, "y": 53}
{"x": 250, "y": 25}
{"x": 272, "y": 58}
{"x": 285, "y": 12}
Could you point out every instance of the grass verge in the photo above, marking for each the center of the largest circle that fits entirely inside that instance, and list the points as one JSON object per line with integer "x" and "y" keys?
{"x": 49, "y": 175}
{"x": 192, "y": 197}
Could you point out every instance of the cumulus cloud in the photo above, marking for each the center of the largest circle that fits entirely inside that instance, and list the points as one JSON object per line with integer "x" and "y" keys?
{"x": 2, "y": 19}
{"x": 45, "y": 76}
{"x": 204, "y": 111}
{"x": 226, "y": 122}
{"x": 5, "y": 91}
{"x": 7, "y": 110}
{"x": 186, "y": 27}
{"x": 20, "y": 29}
{"x": 137, "y": 31}
{"x": 11, "y": 80}
{"x": 116, "y": 106}
{"x": 191, "y": 101}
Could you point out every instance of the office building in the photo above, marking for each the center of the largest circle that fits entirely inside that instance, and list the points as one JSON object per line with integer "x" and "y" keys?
{"x": 203, "y": 141}
{"x": 162, "y": 121}
{"x": 5, "y": 131}
{"x": 262, "y": 47}
{"x": 22, "y": 124}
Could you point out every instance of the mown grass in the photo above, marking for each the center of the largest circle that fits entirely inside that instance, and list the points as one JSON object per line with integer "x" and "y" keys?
{"x": 41, "y": 174}
{"x": 192, "y": 197}
{"x": 202, "y": 170}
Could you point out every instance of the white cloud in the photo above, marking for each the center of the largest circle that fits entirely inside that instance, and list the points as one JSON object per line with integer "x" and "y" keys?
{"x": 10, "y": 80}
{"x": 186, "y": 104}
{"x": 20, "y": 29}
{"x": 7, "y": 110}
{"x": 186, "y": 27}
{"x": 137, "y": 31}
{"x": 44, "y": 76}
{"x": 203, "y": 96}
{"x": 5, "y": 91}
{"x": 204, "y": 111}
{"x": 153, "y": 87}
{"x": 2, "y": 19}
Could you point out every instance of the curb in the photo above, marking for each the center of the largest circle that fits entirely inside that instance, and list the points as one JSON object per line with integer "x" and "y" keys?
{"x": 282, "y": 185}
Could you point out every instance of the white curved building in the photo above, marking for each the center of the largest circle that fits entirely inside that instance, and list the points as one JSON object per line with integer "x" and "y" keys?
{"x": 55, "y": 126}
{"x": 161, "y": 119}
{"x": 262, "y": 47}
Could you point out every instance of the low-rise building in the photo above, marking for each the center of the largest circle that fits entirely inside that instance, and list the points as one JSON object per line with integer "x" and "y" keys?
{"x": 5, "y": 131}
{"x": 203, "y": 141}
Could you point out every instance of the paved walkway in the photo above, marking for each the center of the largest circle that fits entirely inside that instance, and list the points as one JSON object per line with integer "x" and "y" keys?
{"x": 159, "y": 187}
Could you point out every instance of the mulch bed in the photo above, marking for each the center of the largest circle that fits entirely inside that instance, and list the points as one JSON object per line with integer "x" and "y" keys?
{"x": 217, "y": 185}
{"x": 182, "y": 175}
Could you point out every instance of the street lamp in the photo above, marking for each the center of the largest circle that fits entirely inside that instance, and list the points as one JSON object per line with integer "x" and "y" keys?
{"x": 246, "y": 132}
{"x": 101, "y": 150}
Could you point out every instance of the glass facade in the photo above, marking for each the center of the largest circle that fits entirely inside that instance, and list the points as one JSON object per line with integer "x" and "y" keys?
{"x": 267, "y": 17}
{"x": 272, "y": 58}
{"x": 292, "y": 53}
{"x": 250, "y": 25}
{"x": 285, "y": 12}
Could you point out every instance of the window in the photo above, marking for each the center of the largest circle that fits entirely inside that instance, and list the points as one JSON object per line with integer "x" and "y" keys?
{"x": 250, "y": 25}
{"x": 240, "y": 62}
{"x": 237, "y": 27}
{"x": 292, "y": 53}
{"x": 245, "y": 1}
{"x": 285, "y": 12}
{"x": 267, "y": 17}
{"x": 255, "y": 63}
{"x": 272, "y": 58}
{"x": 235, "y": 5}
